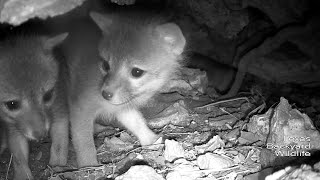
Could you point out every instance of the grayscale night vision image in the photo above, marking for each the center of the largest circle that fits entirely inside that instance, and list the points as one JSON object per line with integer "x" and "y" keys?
{"x": 159, "y": 90}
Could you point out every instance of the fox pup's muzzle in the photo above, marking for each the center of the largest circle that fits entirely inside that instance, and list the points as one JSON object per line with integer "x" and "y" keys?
{"x": 36, "y": 128}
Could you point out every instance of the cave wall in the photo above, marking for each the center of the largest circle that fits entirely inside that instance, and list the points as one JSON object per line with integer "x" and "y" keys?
{"x": 245, "y": 34}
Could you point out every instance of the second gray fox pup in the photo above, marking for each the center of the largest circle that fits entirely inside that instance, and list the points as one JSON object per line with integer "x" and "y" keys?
{"x": 136, "y": 58}
{"x": 28, "y": 107}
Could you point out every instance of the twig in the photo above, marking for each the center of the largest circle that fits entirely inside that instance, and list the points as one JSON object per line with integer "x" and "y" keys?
{"x": 7, "y": 174}
{"x": 179, "y": 133}
{"x": 258, "y": 109}
{"x": 50, "y": 170}
{"x": 224, "y": 110}
{"x": 223, "y": 101}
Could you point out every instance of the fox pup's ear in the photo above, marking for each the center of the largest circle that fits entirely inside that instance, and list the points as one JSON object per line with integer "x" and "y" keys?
{"x": 170, "y": 34}
{"x": 50, "y": 43}
{"x": 101, "y": 20}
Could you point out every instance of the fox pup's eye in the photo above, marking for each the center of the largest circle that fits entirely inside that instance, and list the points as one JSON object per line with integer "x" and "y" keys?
{"x": 136, "y": 72}
{"x": 12, "y": 105}
{"x": 105, "y": 66}
{"x": 47, "y": 96}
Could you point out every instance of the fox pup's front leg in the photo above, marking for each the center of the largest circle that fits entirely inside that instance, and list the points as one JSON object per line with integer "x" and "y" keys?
{"x": 59, "y": 131}
{"x": 134, "y": 121}
{"x": 19, "y": 147}
{"x": 82, "y": 129}
{"x": 60, "y": 140}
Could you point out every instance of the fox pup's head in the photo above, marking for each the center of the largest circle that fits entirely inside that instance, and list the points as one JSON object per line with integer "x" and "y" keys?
{"x": 138, "y": 58}
{"x": 28, "y": 73}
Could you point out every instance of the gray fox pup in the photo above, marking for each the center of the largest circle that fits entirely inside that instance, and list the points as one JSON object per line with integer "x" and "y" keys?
{"x": 28, "y": 107}
{"x": 134, "y": 60}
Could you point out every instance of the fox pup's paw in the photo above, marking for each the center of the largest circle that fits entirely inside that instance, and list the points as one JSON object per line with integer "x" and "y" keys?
{"x": 22, "y": 170}
{"x": 151, "y": 139}
{"x": 23, "y": 176}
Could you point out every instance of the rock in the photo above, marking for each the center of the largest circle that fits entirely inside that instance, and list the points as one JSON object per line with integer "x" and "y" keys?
{"x": 281, "y": 12}
{"x": 140, "y": 172}
{"x": 212, "y": 161}
{"x": 184, "y": 170}
{"x": 16, "y": 12}
{"x": 173, "y": 150}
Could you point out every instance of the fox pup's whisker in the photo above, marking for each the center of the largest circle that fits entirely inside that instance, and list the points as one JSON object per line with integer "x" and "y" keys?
{"x": 127, "y": 101}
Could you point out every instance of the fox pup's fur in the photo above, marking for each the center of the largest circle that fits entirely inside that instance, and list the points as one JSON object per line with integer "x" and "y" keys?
{"x": 28, "y": 107}
{"x": 135, "y": 60}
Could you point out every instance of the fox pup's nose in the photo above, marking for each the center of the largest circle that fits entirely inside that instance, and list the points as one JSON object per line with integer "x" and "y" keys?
{"x": 107, "y": 95}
